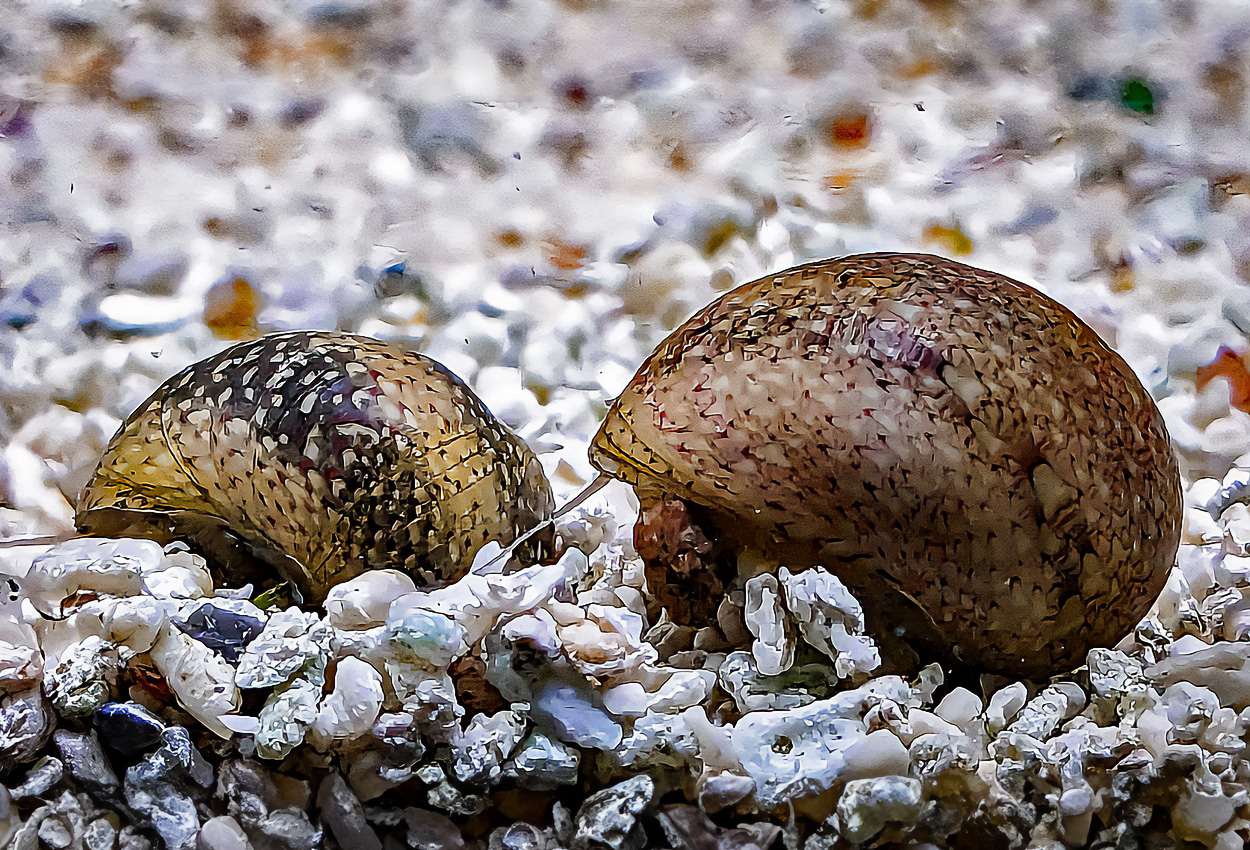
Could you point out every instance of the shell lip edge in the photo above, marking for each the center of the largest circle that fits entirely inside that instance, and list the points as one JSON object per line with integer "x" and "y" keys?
{"x": 612, "y": 459}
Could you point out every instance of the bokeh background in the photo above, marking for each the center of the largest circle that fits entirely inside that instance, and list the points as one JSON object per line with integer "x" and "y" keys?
{"x": 534, "y": 192}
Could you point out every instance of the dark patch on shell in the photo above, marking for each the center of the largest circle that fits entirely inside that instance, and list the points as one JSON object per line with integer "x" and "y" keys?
{"x": 322, "y": 454}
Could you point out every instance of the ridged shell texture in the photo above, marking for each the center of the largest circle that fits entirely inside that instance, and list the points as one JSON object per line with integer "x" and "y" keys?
{"x": 328, "y": 454}
{"x": 967, "y": 454}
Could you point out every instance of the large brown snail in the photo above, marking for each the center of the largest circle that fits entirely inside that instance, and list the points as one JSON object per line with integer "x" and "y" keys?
{"x": 969, "y": 457}
{"x": 321, "y": 454}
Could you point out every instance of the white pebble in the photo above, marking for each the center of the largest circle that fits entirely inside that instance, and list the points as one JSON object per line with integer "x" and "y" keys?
{"x": 352, "y": 706}
{"x": 222, "y": 833}
{"x": 1003, "y": 707}
{"x": 363, "y": 602}
{"x": 114, "y": 567}
{"x": 773, "y": 648}
{"x": 960, "y": 707}
{"x": 201, "y": 679}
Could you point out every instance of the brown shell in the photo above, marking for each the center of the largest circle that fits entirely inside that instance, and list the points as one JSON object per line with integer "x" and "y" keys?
{"x": 326, "y": 454}
{"x": 966, "y": 453}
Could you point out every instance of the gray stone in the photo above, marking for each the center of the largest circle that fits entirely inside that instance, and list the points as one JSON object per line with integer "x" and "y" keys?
{"x": 55, "y": 831}
{"x": 609, "y": 818}
{"x": 443, "y": 795}
{"x": 46, "y": 773}
{"x": 26, "y": 723}
{"x": 177, "y": 741}
{"x": 752, "y": 836}
{"x": 165, "y": 808}
{"x": 688, "y": 828}
{"x": 344, "y": 815}
{"x": 26, "y": 836}
{"x": 562, "y": 823}
{"x": 130, "y": 838}
{"x": 85, "y": 760}
{"x": 247, "y": 789}
{"x": 8, "y": 817}
{"x": 57, "y": 825}
{"x": 156, "y": 790}
{"x": 431, "y": 831}
{"x": 867, "y": 805}
{"x": 519, "y": 836}
{"x": 821, "y": 840}
{"x": 722, "y": 790}
{"x": 100, "y": 834}
{"x": 542, "y": 763}
{"x": 286, "y": 829}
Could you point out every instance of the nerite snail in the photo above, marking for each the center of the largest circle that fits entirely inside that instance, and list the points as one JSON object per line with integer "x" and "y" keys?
{"x": 987, "y": 475}
{"x": 323, "y": 454}
{"x": 991, "y": 479}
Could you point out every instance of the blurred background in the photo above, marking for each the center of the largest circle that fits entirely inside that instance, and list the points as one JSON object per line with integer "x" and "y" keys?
{"x": 535, "y": 192}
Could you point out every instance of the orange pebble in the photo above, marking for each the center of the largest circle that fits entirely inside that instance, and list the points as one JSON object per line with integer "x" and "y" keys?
{"x": 1227, "y": 364}
{"x": 851, "y": 129}
{"x": 230, "y": 309}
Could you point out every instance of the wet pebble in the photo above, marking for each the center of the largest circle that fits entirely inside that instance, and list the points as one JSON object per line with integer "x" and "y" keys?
{"x": 26, "y": 723}
{"x": 542, "y": 763}
{"x": 128, "y": 728}
{"x": 46, "y": 773}
{"x": 221, "y": 833}
{"x": 85, "y": 760}
{"x": 688, "y": 828}
{"x": 609, "y": 818}
{"x": 226, "y": 630}
{"x": 867, "y": 805}
{"x": 344, "y": 815}
{"x": 428, "y": 830}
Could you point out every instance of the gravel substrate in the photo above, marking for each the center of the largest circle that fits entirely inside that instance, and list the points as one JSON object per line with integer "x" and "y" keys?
{"x": 534, "y": 194}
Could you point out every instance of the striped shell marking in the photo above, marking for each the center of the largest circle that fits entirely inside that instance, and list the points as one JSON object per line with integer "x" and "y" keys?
{"x": 967, "y": 454}
{"x": 327, "y": 454}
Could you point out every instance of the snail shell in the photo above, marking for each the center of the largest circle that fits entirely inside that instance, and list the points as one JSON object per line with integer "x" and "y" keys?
{"x": 325, "y": 454}
{"x": 966, "y": 453}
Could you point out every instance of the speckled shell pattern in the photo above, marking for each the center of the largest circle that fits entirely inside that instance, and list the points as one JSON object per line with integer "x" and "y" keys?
{"x": 965, "y": 452}
{"x": 328, "y": 454}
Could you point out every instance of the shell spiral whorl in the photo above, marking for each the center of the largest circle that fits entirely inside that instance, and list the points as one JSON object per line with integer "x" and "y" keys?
{"x": 966, "y": 453}
{"x": 327, "y": 454}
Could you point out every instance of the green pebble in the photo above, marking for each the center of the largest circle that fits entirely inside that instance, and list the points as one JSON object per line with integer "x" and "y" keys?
{"x": 1136, "y": 95}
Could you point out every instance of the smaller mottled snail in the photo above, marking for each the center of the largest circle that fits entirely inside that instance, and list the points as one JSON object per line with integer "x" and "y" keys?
{"x": 324, "y": 454}
{"x": 985, "y": 473}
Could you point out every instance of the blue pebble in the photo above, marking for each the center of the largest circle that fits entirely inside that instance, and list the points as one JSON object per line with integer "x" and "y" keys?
{"x": 128, "y": 728}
